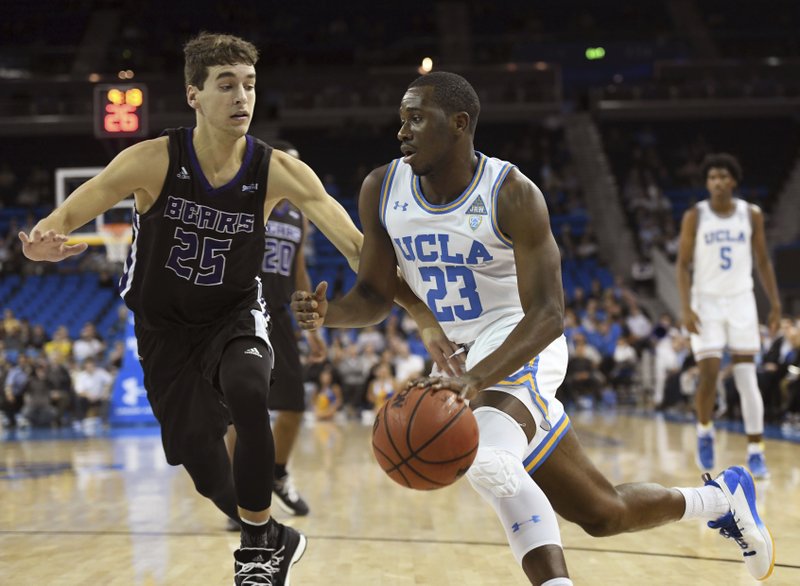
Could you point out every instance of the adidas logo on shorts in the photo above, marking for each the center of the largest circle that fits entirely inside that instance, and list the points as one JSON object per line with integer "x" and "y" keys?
{"x": 254, "y": 351}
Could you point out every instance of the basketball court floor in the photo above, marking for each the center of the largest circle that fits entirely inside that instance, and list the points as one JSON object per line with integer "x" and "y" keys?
{"x": 109, "y": 511}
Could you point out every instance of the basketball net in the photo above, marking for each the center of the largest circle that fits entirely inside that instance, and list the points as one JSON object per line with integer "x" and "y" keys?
{"x": 117, "y": 240}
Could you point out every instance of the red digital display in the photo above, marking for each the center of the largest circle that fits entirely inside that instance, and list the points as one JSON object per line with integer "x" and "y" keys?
{"x": 120, "y": 111}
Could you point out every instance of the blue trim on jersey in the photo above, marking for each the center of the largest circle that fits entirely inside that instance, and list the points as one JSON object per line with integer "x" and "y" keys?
{"x": 495, "y": 191}
{"x": 416, "y": 190}
{"x": 211, "y": 190}
{"x": 547, "y": 445}
{"x": 386, "y": 188}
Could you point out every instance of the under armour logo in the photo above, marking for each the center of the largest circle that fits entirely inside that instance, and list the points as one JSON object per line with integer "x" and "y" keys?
{"x": 183, "y": 174}
{"x": 398, "y": 205}
{"x": 534, "y": 519}
{"x": 254, "y": 351}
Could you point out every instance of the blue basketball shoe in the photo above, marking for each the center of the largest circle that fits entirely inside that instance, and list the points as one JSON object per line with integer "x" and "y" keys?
{"x": 742, "y": 523}
{"x": 705, "y": 452}
{"x": 757, "y": 465}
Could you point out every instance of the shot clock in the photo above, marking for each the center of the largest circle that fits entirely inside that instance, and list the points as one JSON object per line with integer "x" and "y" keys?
{"x": 120, "y": 110}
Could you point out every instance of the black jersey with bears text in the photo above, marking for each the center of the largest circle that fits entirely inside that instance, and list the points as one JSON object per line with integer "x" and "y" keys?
{"x": 197, "y": 252}
{"x": 284, "y": 241}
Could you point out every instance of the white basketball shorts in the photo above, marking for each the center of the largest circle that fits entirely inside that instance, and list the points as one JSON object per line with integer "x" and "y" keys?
{"x": 535, "y": 384}
{"x": 725, "y": 321}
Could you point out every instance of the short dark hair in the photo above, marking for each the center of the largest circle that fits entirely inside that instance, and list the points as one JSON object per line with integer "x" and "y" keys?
{"x": 209, "y": 49}
{"x": 452, "y": 93}
{"x": 722, "y": 161}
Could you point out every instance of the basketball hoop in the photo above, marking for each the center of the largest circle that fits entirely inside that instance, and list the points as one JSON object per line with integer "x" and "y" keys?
{"x": 117, "y": 240}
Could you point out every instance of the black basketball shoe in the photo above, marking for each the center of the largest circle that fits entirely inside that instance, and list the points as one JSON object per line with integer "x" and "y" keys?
{"x": 288, "y": 497}
{"x": 270, "y": 566}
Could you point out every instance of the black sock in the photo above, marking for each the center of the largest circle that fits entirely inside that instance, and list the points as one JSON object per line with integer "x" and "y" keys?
{"x": 255, "y": 535}
{"x": 280, "y": 471}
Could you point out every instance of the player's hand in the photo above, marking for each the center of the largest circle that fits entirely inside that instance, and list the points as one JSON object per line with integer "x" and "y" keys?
{"x": 449, "y": 357}
{"x": 774, "y": 320}
{"x": 310, "y": 308}
{"x": 465, "y": 386}
{"x": 49, "y": 246}
{"x": 691, "y": 321}
{"x": 317, "y": 346}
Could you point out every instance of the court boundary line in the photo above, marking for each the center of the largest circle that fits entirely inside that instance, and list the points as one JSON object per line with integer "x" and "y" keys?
{"x": 384, "y": 540}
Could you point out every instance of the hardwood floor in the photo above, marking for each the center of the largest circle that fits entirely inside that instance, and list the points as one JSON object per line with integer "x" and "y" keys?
{"x": 109, "y": 510}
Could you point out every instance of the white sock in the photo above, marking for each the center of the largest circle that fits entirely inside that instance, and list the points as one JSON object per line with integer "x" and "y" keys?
{"x": 254, "y": 523}
{"x": 707, "y": 502}
{"x": 744, "y": 374}
{"x": 558, "y": 582}
{"x": 705, "y": 430}
{"x": 755, "y": 448}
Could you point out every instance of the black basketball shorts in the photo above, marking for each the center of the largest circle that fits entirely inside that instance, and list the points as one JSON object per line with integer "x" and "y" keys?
{"x": 180, "y": 375}
{"x": 286, "y": 392}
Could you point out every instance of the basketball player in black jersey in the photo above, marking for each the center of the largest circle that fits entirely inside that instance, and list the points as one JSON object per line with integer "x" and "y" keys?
{"x": 282, "y": 272}
{"x": 192, "y": 280}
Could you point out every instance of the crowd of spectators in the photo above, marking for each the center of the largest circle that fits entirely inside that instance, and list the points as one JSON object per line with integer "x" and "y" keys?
{"x": 54, "y": 380}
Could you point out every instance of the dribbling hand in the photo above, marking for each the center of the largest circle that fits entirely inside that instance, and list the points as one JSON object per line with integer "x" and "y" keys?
{"x": 465, "y": 386}
{"x": 49, "y": 246}
{"x": 310, "y": 308}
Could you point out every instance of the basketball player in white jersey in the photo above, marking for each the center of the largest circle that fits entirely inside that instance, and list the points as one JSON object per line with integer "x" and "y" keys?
{"x": 471, "y": 236}
{"x": 719, "y": 238}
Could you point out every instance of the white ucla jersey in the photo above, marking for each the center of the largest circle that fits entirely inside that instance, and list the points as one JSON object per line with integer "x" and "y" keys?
{"x": 723, "y": 257}
{"x": 454, "y": 256}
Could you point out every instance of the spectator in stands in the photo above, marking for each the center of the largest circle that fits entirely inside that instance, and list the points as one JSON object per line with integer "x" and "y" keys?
{"x": 38, "y": 409}
{"x": 89, "y": 345}
{"x": 62, "y": 393}
{"x": 14, "y": 386}
{"x": 583, "y": 381}
{"x": 382, "y": 386}
{"x": 38, "y": 338}
{"x": 12, "y": 331}
{"x": 370, "y": 335}
{"x": 407, "y": 365}
{"x": 60, "y": 344}
{"x": 643, "y": 274}
{"x": 791, "y": 381}
{"x": 93, "y": 391}
{"x": 775, "y": 367}
{"x": 119, "y": 328}
{"x": 639, "y": 328}
{"x": 328, "y": 397}
{"x": 670, "y": 353}
{"x": 353, "y": 369}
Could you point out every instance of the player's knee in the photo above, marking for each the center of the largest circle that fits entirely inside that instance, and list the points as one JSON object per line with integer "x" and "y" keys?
{"x": 496, "y": 471}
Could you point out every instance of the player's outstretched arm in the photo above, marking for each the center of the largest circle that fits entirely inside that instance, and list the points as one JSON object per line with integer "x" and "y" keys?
{"x": 292, "y": 179}
{"x": 690, "y": 320}
{"x": 766, "y": 274}
{"x": 138, "y": 169}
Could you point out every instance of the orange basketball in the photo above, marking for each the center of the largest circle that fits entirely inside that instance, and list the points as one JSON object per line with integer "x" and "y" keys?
{"x": 424, "y": 439}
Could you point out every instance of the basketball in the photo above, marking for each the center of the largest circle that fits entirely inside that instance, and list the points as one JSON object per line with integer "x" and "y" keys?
{"x": 423, "y": 439}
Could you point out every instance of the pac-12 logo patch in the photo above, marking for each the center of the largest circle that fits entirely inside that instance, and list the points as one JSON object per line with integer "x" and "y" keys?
{"x": 474, "y": 222}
